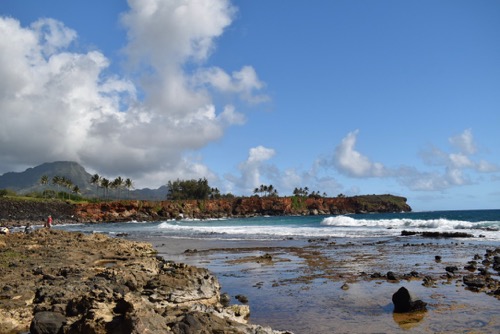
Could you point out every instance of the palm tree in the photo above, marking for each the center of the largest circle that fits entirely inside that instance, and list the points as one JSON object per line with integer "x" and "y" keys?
{"x": 95, "y": 179}
{"x": 67, "y": 183}
{"x": 270, "y": 190}
{"x": 56, "y": 181}
{"x": 128, "y": 185}
{"x": 76, "y": 190}
{"x": 105, "y": 184}
{"x": 117, "y": 184}
{"x": 44, "y": 180}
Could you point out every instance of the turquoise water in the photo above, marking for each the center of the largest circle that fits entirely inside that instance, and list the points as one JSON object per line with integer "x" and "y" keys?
{"x": 299, "y": 294}
{"x": 480, "y": 223}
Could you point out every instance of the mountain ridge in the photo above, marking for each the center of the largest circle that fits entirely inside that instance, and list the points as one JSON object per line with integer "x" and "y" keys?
{"x": 28, "y": 181}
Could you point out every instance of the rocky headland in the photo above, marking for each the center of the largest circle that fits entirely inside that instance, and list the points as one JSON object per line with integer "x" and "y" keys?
{"x": 59, "y": 282}
{"x": 17, "y": 212}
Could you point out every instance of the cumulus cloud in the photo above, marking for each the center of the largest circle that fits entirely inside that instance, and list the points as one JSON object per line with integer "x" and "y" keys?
{"x": 244, "y": 82}
{"x": 454, "y": 166}
{"x": 464, "y": 142}
{"x": 446, "y": 169}
{"x": 252, "y": 169}
{"x": 257, "y": 169}
{"x": 352, "y": 163}
{"x": 60, "y": 104}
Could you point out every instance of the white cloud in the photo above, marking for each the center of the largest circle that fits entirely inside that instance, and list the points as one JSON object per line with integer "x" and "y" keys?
{"x": 244, "y": 82}
{"x": 58, "y": 104}
{"x": 448, "y": 169}
{"x": 455, "y": 166}
{"x": 251, "y": 170}
{"x": 259, "y": 154}
{"x": 53, "y": 35}
{"x": 464, "y": 142}
{"x": 352, "y": 163}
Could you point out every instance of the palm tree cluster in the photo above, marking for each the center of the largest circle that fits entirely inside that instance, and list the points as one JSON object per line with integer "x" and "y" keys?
{"x": 266, "y": 190}
{"x": 301, "y": 192}
{"x": 61, "y": 181}
{"x": 304, "y": 192}
{"x": 118, "y": 184}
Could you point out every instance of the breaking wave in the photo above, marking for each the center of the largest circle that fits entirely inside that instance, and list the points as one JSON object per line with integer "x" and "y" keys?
{"x": 402, "y": 223}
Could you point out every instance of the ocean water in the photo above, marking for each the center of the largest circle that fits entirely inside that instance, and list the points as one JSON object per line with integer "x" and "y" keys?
{"x": 483, "y": 224}
{"x": 313, "y": 256}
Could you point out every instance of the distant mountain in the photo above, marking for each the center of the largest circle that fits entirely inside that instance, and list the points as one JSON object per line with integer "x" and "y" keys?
{"x": 29, "y": 181}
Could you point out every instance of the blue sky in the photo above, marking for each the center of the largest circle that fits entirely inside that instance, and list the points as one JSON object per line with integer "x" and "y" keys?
{"x": 352, "y": 97}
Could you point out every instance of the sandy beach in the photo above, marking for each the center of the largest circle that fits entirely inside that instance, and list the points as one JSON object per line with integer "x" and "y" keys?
{"x": 341, "y": 286}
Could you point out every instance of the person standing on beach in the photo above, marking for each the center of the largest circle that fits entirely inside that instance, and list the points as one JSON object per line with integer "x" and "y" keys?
{"x": 28, "y": 229}
{"x": 48, "y": 224}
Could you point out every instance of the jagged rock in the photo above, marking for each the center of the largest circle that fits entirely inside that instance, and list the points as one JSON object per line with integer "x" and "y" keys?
{"x": 475, "y": 282}
{"x": 108, "y": 285}
{"x": 404, "y": 302}
{"x": 47, "y": 323}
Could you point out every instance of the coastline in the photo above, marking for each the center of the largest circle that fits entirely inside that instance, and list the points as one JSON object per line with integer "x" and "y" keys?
{"x": 320, "y": 285}
{"x": 18, "y": 212}
{"x": 81, "y": 283}
{"x": 334, "y": 285}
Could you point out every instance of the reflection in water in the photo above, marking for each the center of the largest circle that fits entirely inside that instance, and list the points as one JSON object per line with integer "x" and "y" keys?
{"x": 408, "y": 320}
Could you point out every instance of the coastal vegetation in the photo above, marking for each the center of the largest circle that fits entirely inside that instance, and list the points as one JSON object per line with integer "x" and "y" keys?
{"x": 67, "y": 191}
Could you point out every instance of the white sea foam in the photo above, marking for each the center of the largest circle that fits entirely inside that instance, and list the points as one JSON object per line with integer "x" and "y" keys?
{"x": 400, "y": 223}
{"x": 263, "y": 231}
{"x": 304, "y": 227}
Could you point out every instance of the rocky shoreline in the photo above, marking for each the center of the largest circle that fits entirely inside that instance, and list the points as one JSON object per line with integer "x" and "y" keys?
{"x": 75, "y": 283}
{"x": 17, "y": 212}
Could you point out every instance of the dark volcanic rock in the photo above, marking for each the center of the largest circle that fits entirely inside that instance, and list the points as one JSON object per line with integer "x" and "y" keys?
{"x": 47, "y": 323}
{"x": 475, "y": 282}
{"x": 76, "y": 283}
{"x": 403, "y": 302}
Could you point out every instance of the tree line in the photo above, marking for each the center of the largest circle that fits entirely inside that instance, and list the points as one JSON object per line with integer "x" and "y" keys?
{"x": 177, "y": 190}
{"x": 63, "y": 182}
{"x": 193, "y": 189}
{"x": 117, "y": 184}
{"x": 59, "y": 181}
{"x": 200, "y": 189}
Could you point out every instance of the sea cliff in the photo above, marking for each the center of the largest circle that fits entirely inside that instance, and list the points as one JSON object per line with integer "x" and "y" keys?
{"x": 14, "y": 212}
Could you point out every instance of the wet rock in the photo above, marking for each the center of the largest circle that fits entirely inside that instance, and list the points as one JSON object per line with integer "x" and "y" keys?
{"x": 225, "y": 299}
{"x": 428, "y": 282}
{"x": 242, "y": 299}
{"x": 484, "y": 271}
{"x": 451, "y": 269}
{"x": 391, "y": 276}
{"x": 496, "y": 263}
{"x": 437, "y": 258}
{"x": 404, "y": 302}
{"x": 474, "y": 282}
